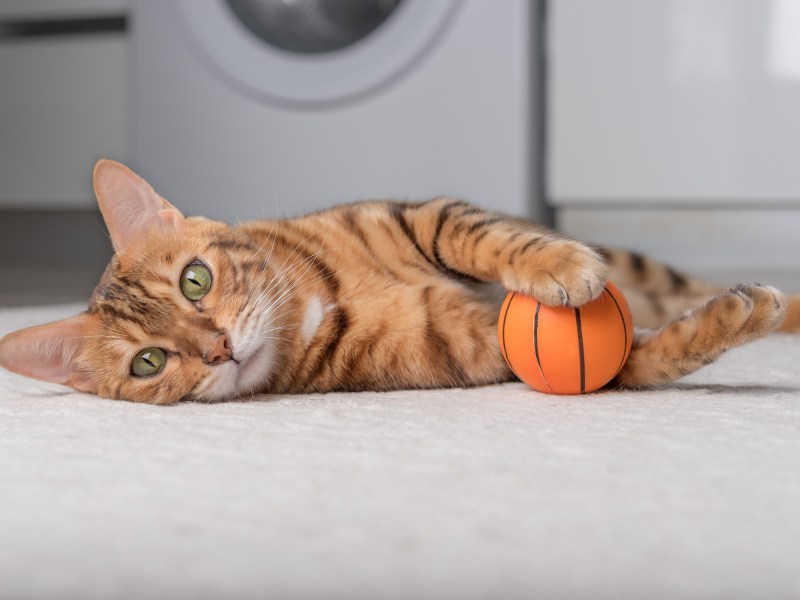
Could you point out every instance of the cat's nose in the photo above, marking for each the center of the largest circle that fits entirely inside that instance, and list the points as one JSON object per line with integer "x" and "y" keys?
{"x": 220, "y": 352}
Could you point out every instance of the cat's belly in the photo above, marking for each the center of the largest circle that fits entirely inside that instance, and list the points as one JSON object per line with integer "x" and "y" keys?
{"x": 416, "y": 336}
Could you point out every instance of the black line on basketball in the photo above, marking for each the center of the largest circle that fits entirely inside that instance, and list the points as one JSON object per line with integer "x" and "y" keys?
{"x": 536, "y": 344}
{"x": 505, "y": 350}
{"x": 536, "y": 336}
{"x": 624, "y": 330}
{"x": 580, "y": 349}
{"x": 505, "y": 316}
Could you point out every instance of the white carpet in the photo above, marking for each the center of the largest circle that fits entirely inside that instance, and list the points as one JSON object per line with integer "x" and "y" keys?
{"x": 688, "y": 492}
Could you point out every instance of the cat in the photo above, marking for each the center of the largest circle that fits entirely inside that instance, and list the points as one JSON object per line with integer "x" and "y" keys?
{"x": 375, "y": 295}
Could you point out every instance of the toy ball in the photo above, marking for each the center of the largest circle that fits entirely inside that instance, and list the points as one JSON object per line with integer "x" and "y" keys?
{"x": 565, "y": 350}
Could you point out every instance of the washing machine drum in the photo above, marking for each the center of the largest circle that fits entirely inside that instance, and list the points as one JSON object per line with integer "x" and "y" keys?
{"x": 312, "y": 26}
{"x": 312, "y": 52}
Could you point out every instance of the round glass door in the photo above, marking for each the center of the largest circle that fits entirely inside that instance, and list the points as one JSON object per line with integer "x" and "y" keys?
{"x": 312, "y": 26}
{"x": 307, "y": 53}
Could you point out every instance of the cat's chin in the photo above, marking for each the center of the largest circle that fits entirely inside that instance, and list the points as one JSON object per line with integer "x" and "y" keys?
{"x": 240, "y": 377}
{"x": 253, "y": 371}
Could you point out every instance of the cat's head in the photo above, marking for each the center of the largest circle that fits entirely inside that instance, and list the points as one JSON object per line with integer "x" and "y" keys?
{"x": 183, "y": 309}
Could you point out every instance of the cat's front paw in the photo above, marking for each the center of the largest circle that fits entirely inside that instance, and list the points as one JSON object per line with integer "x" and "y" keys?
{"x": 557, "y": 272}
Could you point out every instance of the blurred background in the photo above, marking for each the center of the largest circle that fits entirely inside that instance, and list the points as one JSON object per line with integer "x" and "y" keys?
{"x": 669, "y": 127}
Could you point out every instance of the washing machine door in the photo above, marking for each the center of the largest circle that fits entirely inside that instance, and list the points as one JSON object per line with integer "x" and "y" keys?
{"x": 311, "y": 52}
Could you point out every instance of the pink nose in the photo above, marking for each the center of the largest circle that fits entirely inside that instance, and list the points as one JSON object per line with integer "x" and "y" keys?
{"x": 220, "y": 351}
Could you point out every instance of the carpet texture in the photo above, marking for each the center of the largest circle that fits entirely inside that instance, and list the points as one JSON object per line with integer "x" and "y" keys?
{"x": 692, "y": 491}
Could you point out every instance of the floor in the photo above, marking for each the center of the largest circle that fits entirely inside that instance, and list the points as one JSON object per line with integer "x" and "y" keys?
{"x": 691, "y": 491}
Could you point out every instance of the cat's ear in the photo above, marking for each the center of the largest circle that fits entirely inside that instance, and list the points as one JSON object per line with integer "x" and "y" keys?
{"x": 130, "y": 206}
{"x": 49, "y": 352}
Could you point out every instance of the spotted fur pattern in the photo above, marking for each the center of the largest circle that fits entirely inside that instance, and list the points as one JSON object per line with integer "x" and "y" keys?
{"x": 366, "y": 296}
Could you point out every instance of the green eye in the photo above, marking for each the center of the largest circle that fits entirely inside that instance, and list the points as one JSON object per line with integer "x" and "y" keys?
{"x": 195, "y": 281}
{"x": 148, "y": 362}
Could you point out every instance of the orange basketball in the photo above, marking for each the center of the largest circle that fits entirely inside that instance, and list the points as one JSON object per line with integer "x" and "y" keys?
{"x": 560, "y": 350}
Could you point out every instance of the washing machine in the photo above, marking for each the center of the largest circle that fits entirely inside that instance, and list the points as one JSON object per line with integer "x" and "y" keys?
{"x": 252, "y": 108}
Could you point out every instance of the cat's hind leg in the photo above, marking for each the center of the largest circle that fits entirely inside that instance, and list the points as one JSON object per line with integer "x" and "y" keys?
{"x": 699, "y": 337}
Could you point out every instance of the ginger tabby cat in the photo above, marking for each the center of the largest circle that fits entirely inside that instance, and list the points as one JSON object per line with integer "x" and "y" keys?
{"x": 366, "y": 296}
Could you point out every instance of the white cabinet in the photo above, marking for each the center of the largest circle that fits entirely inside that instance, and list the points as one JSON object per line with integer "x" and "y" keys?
{"x": 47, "y": 9}
{"x": 62, "y": 100}
{"x": 674, "y": 101}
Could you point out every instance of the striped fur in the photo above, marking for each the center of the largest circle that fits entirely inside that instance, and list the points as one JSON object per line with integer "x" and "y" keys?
{"x": 366, "y": 296}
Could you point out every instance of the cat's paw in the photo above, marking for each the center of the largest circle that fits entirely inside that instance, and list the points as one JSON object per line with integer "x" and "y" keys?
{"x": 748, "y": 311}
{"x": 557, "y": 272}
{"x": 742, "y": 314}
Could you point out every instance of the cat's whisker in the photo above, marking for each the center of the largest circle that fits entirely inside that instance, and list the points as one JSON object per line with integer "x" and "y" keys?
{"x": 289, "y": 257}
{"x": 287, "y": 283}
{"x": 294, "y": 251}
{"x": 268, "y": 259}
{"x": 306, "y": 262}
{"x": 286, "y": 292}
{"x": 267, "y": 239}
{"x": 320, "y": 249}
{"x": 284, "y": 297}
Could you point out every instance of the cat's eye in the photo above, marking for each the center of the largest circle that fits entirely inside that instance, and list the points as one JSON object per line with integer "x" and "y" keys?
{"x": 149, "y": 362}
{"x": 195, "y": 281}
